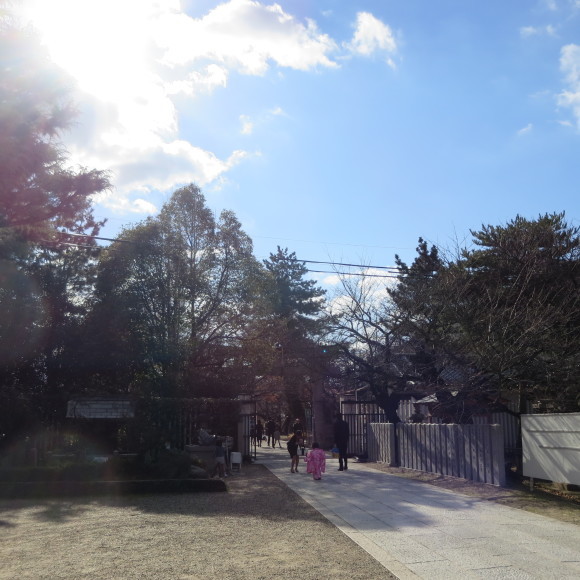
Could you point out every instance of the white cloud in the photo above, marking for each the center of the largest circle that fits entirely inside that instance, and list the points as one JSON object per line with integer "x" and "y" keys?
{"x": 372, "y": 36}
{"x": 176, "y": 163}
{"x": 244, "y": 35}
{"x": 124, "y": 205}
{"x": 133, "y": 60}
{"x": 250, "y": 124}
{"x": 247, "y": 125}
{"x": 204, "y": 81}
{"x": 528, "y": 31}
{"x": 525, "y": 130}
{"x": 570, "y": 67}
{"x": 332, "y": 280}
{"x": 353, "y": 294}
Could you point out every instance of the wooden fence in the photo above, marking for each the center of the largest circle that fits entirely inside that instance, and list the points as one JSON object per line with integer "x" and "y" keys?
{"x": 474, "y": 452}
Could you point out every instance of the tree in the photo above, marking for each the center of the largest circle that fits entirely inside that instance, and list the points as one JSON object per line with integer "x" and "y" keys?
{"x": 502, "y": 316}
{"x": 39, "y": 194}
{"x": 517, "y": 303}
{"x": 43, "y": 204}
{"x": 295, "y": 300}
{"x": 296, "y": 304}
{"x": 181, "y": 286}
{"x": 361, "y": 328}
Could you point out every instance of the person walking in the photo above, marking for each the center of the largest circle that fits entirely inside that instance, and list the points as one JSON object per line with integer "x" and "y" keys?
{"x": 316, "y": 461}
{"x": 297, "y": 427}
{"x": 270, "y": 427}
{"x": 292, "y": 447}
{"x": 277, "y": 437}
{"x": 259, "y": 432}
{"x": 341, "y": 434}
{"x": 220, "y": 460}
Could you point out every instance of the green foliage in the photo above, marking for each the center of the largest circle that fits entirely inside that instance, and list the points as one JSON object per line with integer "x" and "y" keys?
{"x": 38, "y": 193}
{"x": 505, "y": 312}
{"x": 293, "y": 331}
{"x": 169, "y": 464}
{"x": 178, "y": 295}
{"x": 501, "y": 316}
{"x": 518, "y": 307}
{"x": 69, "y": 472}
{"x": 44, "y": 282}
{"x": 293, "y": 297}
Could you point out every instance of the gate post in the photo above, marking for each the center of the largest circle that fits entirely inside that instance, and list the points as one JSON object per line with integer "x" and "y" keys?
{"x": 246, "y": 421}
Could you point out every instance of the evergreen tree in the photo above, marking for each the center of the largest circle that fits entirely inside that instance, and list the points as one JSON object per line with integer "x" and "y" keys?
{"x": 294, "y": 299}
{"x": 517, "y": 303}
{"x": 44, "y": 280}
{"x": 39, "y": 194}
{"x": 296, "y": 305}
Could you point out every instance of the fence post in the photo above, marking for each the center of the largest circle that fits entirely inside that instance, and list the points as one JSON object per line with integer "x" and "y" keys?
{"x": 391, "y": 430}
{"x": 498, "y": 454}
{"x": 372, "y": 446}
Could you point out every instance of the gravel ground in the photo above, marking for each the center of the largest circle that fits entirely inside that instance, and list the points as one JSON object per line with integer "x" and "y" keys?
{"x": 259, "y": 529}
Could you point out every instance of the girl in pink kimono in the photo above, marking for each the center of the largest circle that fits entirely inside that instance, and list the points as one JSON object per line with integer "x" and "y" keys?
{"x": 316, "y": 461}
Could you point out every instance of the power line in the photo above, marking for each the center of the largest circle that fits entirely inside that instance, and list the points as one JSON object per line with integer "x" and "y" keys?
{"x": 353, "y": 274}
{"x": 96, "y": 237}
{"x": 395, "y": 268}
{"x": 394, "y": 271}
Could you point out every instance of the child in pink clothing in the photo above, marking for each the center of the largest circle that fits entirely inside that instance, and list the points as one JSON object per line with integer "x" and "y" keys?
{"x": 316, "y": 461}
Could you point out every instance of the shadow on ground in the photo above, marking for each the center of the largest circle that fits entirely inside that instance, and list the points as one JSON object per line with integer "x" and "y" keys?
{"x": 254, "y": 492}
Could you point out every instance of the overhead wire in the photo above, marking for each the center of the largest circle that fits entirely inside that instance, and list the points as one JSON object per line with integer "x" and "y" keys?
{"x": 394, "y": 271}
{"x": 352, "y": 274}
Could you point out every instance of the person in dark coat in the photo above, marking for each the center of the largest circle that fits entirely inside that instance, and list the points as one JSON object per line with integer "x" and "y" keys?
{"x": 270, "y": 428}
{"x": 297, "y": 427}
{"x": 292, "y": 447}
{"x": 341, "y": 433}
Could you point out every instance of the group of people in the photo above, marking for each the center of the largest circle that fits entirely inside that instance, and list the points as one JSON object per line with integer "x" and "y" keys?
{"x": 269, "y": 433}
{"x": 316, "y": 458}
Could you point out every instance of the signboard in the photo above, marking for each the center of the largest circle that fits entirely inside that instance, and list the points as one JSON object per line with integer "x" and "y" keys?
{"x": 100, "y": 408}
{"x": 551, "y": 447}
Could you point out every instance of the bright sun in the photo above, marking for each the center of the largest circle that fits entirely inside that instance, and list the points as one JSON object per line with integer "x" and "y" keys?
{"x": 101, "y": 44}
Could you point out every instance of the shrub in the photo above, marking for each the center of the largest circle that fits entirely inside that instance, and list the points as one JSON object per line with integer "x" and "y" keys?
{"x": 70, "y": 472}
{"x": 171, "y": 464}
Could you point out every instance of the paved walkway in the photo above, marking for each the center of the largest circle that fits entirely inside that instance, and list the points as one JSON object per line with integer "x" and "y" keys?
{"x": 416, "y": 530}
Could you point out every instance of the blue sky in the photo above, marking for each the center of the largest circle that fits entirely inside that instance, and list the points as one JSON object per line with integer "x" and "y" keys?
{"x": 342, "y": 130}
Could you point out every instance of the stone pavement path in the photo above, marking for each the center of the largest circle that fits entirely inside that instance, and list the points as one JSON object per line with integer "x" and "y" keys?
{"x": 420, "y": 531}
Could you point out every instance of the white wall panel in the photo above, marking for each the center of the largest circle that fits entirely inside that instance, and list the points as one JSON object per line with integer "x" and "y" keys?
{"x": 551, "y": 447}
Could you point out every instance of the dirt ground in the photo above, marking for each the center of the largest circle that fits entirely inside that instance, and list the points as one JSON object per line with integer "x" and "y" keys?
{"x": 259, "y": 529}
{"x": 547, "y": 499}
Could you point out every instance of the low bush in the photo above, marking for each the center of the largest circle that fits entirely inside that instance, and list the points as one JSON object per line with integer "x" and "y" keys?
{"x": 168, "y": 464}
{"x": 71, "y": 472}
{"x": 171, "y": 464}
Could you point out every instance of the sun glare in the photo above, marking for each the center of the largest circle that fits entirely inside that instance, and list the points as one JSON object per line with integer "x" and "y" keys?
{"x": 103, "y": 45}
